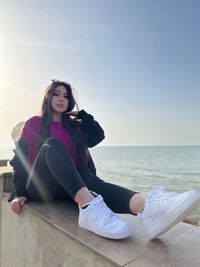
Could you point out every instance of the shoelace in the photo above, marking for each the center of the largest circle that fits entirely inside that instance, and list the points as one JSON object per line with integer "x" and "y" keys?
{"x": 159, "y": 193}
{"x": 105, "y": 212}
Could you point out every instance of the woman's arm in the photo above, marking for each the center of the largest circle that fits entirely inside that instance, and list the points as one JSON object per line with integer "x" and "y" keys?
{"x": 94, "y": 132}
{"x": 20, "y": 169}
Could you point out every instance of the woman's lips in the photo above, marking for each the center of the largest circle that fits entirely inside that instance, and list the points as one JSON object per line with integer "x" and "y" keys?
{"x": 60, "y": 105}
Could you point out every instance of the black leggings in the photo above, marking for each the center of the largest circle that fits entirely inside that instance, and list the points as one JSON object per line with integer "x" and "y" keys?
{"x": 54, "y": 176}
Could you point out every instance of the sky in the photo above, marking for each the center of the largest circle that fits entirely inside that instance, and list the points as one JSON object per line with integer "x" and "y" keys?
{"x": 134, "y": 64}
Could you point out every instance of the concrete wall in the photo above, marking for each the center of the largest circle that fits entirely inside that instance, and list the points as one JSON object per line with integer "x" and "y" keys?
{"x": 29, "y": 241}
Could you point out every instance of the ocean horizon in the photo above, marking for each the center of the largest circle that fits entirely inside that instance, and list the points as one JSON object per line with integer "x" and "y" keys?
{"x": 143, "y": 168}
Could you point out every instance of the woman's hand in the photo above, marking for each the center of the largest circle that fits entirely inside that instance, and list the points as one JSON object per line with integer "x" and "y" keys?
{"x": 73, "y": 113}
{"x": 17, "y": 204}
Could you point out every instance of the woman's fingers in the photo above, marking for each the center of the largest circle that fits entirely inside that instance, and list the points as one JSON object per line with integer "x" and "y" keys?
{"x": 16, "y": 207}
{"x": 23, "y": 200}
{"x": 16, "y": 204}
{"x": 73, "y": 113}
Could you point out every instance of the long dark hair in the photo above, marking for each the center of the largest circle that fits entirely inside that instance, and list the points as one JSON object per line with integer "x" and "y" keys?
{"x": 72, "y": 125}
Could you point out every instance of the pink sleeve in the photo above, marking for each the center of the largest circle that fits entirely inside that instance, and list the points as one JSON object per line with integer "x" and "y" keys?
{"x": 31, "y": 130}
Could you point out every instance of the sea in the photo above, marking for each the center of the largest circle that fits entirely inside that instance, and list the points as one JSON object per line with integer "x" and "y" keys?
{"x": 143, "y": 168}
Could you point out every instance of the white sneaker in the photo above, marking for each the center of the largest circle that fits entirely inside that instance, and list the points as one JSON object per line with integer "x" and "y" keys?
{"x": 163, "y": 210}
{"x": 99, "y": 219}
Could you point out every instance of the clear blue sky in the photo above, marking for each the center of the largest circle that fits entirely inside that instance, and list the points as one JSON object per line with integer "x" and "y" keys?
{"x": 135, "y": 65}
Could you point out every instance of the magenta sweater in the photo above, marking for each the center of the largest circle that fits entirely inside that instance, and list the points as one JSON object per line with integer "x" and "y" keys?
{"x": 30, "y": 135}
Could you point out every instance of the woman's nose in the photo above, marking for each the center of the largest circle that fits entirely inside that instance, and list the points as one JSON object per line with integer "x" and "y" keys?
{"x": 61, "y": 98}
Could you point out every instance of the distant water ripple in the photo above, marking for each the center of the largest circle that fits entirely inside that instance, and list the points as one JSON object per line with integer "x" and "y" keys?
{"x": 141, "y": 169}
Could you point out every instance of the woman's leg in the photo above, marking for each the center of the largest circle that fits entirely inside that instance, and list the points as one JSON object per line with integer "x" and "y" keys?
{"x": 54, "y": 176}
{"x": 158, "y": 211}
{"x": 119, "y": 199}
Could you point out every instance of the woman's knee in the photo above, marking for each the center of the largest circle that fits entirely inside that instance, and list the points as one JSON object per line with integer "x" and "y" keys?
{"x": 54, "y": 143}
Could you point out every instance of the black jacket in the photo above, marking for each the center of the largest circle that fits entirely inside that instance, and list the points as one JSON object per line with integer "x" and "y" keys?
{"x": 94, "y": 135}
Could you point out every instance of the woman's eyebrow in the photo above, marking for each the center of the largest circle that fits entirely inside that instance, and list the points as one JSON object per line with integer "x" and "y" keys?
{"x": 58, "y": 91}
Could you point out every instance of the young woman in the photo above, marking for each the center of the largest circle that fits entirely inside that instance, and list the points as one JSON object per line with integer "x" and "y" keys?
{"x": 52, "y": 161}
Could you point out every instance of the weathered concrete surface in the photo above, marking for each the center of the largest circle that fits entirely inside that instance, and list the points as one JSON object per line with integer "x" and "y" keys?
{"x": 3, "y": 162}
{"x": 182, "y": 251}
{"x": 30, "y": 241}
{"x": 48, "y": 235}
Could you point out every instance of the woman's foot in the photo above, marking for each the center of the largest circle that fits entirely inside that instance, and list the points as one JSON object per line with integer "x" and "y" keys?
{"x": 99, "y": 219}
{"x": 163, "y": 210}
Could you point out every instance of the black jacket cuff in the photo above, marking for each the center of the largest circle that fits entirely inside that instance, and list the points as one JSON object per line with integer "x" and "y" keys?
{"x": 83, "y": 115}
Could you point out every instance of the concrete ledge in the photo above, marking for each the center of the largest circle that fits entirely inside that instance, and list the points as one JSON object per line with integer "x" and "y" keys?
{"x": 49, "y": 235}
{"x": 35, "y": 242}
{"x": 4, "y": 162}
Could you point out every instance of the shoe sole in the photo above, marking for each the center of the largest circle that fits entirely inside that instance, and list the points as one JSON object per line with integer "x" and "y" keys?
{"x": 171, "y": 218}
{"x": 106, "y": 234}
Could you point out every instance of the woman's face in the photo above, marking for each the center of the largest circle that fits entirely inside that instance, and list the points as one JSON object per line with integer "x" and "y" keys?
{"x": 59, "y": 100}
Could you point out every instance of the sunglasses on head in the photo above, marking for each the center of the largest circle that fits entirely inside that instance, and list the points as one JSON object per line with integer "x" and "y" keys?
{"x": 57, "y": 81}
